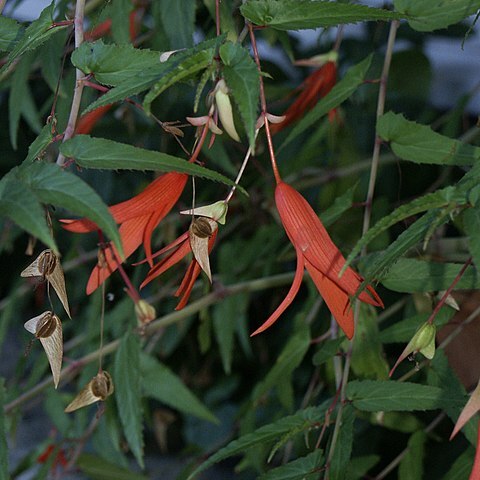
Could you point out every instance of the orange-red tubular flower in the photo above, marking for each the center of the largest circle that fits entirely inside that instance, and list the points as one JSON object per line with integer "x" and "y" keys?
{"x": 137, "y": 217}
{"x": 314, "y": 87}
{"x": 181, "y": 248}
{"x": 318, "y": 254}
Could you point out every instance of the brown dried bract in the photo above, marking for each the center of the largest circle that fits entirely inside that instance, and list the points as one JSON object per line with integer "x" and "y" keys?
{"x": 48, "y": 267}
{"x": 200, "y": 231}
{"x": 97, "y": 389}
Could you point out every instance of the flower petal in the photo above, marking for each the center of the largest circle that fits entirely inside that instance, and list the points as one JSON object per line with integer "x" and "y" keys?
{"x": 297, "y": 281}
{"x": 182, "y": 251}
{"x": 186, "y": 287}
{"x": 336, "y": 299}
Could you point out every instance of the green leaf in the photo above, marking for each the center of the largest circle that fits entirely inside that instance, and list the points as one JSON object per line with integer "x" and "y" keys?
{"x": 303, "y": 468}
{"x": 302, "y": 421}
{"x": 327, "y": 351}
{"x": 303, "y": 14}
{"x": 53, "y": 185}
{"x": 39, "y": 145}
{"x": 429, "y": 15}
{"x": 440, "y": 374}
{"x": 144, "y": 78}
{"x": 411, "y": 275}
{"x": 420, "y": 144}
{"x": 339, "y": 93}
{"x": 411, "y": 466}
{"x": 3, "y": 434}
{"x": 460, "y": 469}
{"x": 288, "y": 360}
{"x": 161, "y": 383}
{"x": 97, "y": 468}
{"x": 128, "y": 392}
{"x": 115, "y": 64}
{"x": 120, "y": 15}
{"x": 341, "y": 204}
{"x": 19, "y": 203}
{"x": 471, "y": 224}
{"x": 16, "y": 99}
{"x": 180, "y": 70}
{"x": 92, "y": 152}
{"x": 343, "y": 448}
{"x": 38, "y": 32}
{"x": 404, "y": 330}
{"x": 10, "y": 32}
{"x": 178, "y": 19}
{"x": 242, "y": 78}
{"x": 368, "y": 357}
{"x": 387, "y": 396}
{"x": 226, "y": 316}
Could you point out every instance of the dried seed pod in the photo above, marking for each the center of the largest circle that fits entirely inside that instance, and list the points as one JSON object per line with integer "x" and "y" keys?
{"x": 97, "y": 389}
{"x": 47, "y": 327}
{"x": 200, "y": 231}
{"x": 48, "y": 267}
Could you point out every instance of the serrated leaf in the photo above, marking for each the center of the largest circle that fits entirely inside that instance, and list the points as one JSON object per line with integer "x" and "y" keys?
{"x": 36, "y": 33}
{"x": 471, "y": 224}
{"x": 19, "y": 203}
{"x": 411, "y": 466}
{"x": 304, "y": 14}
{"x": 354, "y": 77}
{"x": 410, "y": 275}
{"x": 3, "y": 434}
{"x": 39, "y": 145}
{"x": 17, "y": 96}
{"x": 145, "y": 79}
{"x": 115, "y": 64}
{"x": 178, "y": 19}
{"x": 129, "y": 398}
{"x": 97, "y": 468}
{"x": 161, "y": 383}
{"x": 53, "y": 185}
{"x": 288, "y": 360}
{"x": 10, "y": 33}
{"x": 302, "y": 421}
{"x": 243, "y": 80}
{"x": 92, "y": 152}
{"x": 120, "y": 15}
{"x": 343, "y": 447}
{"x": 429, "y": 15}
{"x": 327, "y": 351}
{"x": 181, "y": 70}
{"x": 420, "y": 144}
{"x": 387, "y": 396}
{"x": 303, "y": 468}
{"x": 404, "y": 330}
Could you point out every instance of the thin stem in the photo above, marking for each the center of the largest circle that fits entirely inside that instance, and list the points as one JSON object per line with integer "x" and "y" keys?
{"x": 155, "y": 326}
{"x": 200, "y": 143}
{"x": 102, "y": 323}
{"x": 263, "y": 104}
{"x": 380, "y": 109}
{"x": 448, "y": 291}
{"x": 217, "y": 16}
{"x": 2, "y": 4}
{"x": 242, "y": 169}
{"x": 77, "y": 92}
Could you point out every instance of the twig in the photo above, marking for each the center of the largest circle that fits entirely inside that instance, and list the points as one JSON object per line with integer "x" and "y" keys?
{"x": 78, "y": 90}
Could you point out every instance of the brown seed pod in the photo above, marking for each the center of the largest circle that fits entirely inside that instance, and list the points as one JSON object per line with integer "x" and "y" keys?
{"x": 46, "y": 325}
{"x": 97, "y": 389}
{"x": 201, "y": 227}
{"x": 47, "y": 261}
{"x": 102, "y": 385}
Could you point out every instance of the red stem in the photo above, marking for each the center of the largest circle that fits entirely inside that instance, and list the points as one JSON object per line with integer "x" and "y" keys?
{"x": 263, "y": 103}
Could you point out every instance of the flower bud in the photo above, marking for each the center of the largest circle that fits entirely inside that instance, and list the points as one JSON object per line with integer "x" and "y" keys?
{"x": 216, "y": 211}
{"x": 224, "y": 108}
{"x": 145, "y": 312}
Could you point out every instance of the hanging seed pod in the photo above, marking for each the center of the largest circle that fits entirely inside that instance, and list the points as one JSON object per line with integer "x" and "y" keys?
{"x": 47, "y": 266}
{"x": 99, "y": 388}
{"x": 216, "y": 211}
{"x": 201, "y": 229}
{"x": 47, "y": 327}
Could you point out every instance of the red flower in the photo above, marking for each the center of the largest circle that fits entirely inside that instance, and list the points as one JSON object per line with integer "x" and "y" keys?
{"x": 182, "y": 247}
{"x": 138, "y": 218}
{"x": 86, "y": 123}
{"x": 318, "y": 254}
{"x": 314, "y": 87}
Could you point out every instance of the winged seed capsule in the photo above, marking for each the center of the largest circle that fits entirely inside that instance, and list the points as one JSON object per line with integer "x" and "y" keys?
{"x": 99, "y": 388}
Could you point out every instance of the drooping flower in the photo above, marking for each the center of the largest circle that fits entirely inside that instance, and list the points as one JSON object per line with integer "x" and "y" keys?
{"x": 319, "y": 255}
{"x": 199, "y": 240}
{"x": 137, "y": 217}
{"x": 313, "y": 88}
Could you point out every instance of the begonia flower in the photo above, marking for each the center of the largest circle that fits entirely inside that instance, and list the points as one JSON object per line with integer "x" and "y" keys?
{"x": 319, "y": 255}
{"x": 199, "y": 240}
{"x": 137, "y": 217}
